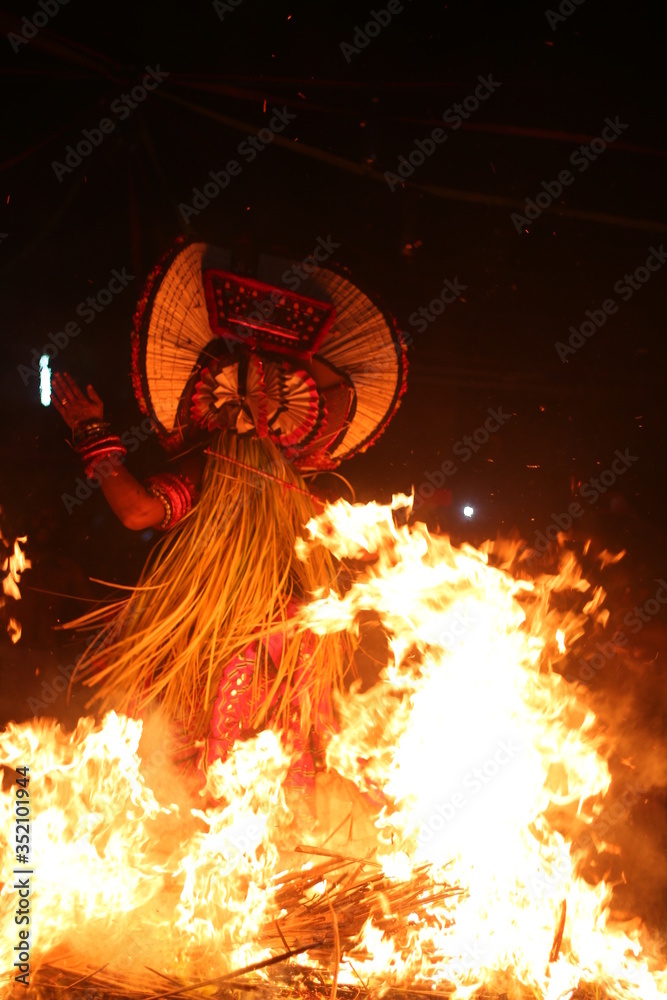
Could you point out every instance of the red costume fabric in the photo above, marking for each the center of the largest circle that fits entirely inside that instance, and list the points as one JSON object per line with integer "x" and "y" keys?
{"x": 233, "y": 710}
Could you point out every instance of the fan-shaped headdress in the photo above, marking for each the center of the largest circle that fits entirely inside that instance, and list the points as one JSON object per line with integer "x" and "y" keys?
{"x": 319, "y": 371}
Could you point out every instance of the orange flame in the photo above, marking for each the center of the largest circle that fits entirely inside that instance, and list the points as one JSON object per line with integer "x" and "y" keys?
{"x": 13, "y": 566}
{"x": 486, "y": 761}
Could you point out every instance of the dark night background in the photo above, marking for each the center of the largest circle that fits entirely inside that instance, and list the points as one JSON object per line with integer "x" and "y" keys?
{"x": 494, "y": 347}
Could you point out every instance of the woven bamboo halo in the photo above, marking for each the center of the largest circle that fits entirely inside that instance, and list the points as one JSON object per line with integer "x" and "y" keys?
{"x": 328, "y": 363}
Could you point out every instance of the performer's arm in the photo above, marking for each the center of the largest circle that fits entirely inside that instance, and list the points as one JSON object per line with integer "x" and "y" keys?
{"x": 135, "y": 505}
{"x": 130, "y": 501}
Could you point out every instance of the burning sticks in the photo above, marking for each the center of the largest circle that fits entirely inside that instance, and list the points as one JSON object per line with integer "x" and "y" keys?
{"x": 558, "y": 936}
{"x": 334, "y": 899}
{"x": 324, "y": 908}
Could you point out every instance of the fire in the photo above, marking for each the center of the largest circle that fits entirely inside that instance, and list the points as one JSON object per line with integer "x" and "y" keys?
{"x": 141, "y": 880}
{"x": 13, "y": 566}
{"x": 461, "y": 781}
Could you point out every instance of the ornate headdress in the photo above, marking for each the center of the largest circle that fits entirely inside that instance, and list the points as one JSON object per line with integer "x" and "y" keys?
{"x": 320, "y": 371}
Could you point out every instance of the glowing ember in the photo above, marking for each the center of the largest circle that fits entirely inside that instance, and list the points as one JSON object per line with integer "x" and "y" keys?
{"x": 483, "y": 763}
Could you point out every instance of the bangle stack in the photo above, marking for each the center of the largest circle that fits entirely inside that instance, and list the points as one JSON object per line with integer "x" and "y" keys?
{"x": 94, "y": 444}
{"x": 177, "y": 494}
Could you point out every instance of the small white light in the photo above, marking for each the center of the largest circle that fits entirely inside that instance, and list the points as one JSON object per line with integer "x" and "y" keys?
{"x": 468, "y": 510}
{"x": 44, "y": 380}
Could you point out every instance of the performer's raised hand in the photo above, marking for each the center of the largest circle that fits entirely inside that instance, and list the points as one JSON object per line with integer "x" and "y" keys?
{"x": 72, "y": 404}
{"x": 103, "y": 454}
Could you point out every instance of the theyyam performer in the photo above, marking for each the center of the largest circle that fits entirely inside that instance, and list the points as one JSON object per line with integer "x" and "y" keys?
{"x": 250, "y": 388}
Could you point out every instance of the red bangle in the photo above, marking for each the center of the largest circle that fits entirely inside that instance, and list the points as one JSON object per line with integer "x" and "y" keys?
{"x": 177, "y": 493}
{"x": 106, "y": 447}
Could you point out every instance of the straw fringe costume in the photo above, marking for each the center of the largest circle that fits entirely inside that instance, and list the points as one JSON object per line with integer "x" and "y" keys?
{"x": 273, "y": 385}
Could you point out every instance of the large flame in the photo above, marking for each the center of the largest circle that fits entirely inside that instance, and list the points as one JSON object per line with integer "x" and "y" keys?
{"x": 463, "y": 777}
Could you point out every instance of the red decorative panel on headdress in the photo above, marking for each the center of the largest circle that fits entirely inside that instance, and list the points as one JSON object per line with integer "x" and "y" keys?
{"x": 263, "y": 317}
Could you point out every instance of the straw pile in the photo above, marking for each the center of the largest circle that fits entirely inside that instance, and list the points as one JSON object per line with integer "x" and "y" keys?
{"x": 323, "y": 909}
